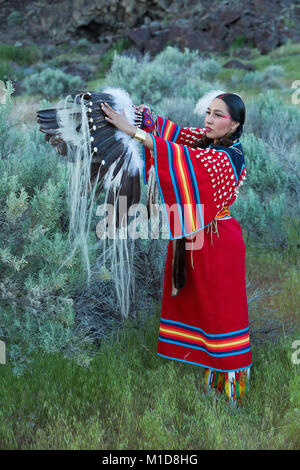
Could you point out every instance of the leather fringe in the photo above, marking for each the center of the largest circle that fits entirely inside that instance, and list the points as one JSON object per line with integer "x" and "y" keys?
{"x": 213, "y": 227}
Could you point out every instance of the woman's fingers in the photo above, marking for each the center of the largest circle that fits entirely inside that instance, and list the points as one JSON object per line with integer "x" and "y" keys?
{"x": 105, "y": 109}
{"x": 110, "y": 117}
{"x": 111, "y": 114}
{"x": 113, "y": 117}
{"x": 108, "y": 108}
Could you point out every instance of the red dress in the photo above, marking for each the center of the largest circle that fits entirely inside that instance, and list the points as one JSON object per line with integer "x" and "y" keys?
{"x": 206, "y": 323}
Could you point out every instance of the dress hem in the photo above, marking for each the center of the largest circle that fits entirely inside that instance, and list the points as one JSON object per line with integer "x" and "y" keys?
{"x": 202, "y": 365}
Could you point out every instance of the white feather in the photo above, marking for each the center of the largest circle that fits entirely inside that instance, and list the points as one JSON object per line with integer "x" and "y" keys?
{"x": 68, "y": 123}
{"x": 122, "y": 101}
{"x": 205, "y": 101}
{"x": 108, "y": 182}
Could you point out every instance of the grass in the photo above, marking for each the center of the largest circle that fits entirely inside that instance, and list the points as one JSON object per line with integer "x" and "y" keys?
{"x": 6, "y": 70}
{"x": 129, "y": 398}
{"x": 286, "y": 55}
{"x": 25, "y": 108}
{"x": 21, "y": 55}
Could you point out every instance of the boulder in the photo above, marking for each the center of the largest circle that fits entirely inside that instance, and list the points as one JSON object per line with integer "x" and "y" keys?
{"x": 236, "y": 64}
{"x": 209, "y": 25}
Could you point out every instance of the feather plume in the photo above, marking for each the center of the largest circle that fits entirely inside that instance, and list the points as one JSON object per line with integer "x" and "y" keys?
{"x": 205, "y": 100}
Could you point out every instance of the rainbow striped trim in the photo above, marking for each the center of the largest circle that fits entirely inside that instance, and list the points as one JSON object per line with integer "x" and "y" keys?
{"x": 185, "y": 188}
{"x": 219, "y": 345}
{"x": 166, "y": 129}
{"x": 224, "y": 213}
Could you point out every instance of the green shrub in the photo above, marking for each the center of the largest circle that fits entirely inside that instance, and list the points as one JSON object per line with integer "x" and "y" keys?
{"x": 278, "y": 125}
{"x": 51, "y": 83}
{"x": 107, "y": 58}
{"x": 261, "y": 204}
{"x": 239, "y": 41}
{"x": 9, "y": 140}
{"x": 171, "y": 73}
{"x": 269, "y": 118}
{"x": 36, "y": 308}
{"x": 14, "y": 18}
{"x": 264, "y": 174}
{"x": 24, "y": 55}
{"x": 209, "y": 69}
{"x": 180, "y": 111}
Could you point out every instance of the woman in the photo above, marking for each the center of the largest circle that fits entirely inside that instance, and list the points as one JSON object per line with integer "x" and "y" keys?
{"x": 204, "y": 317}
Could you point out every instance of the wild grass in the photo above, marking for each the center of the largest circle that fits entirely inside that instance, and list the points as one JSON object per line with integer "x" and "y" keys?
{"x": 130, "y": 398}
{"x": 21, "y": 55}
{"x": 25, "y": 108}
{"x": 5, "y": 69}
{"x": 286, "y": 55}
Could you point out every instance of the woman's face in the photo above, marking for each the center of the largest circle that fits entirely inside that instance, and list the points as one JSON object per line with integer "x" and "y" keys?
{"x": 218, "y": 122}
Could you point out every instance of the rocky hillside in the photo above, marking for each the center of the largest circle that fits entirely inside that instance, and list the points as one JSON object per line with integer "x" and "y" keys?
{"x": 209, "y": 25}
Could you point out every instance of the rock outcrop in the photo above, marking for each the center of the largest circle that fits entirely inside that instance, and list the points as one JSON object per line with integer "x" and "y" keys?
{"x": 152, "y": 24}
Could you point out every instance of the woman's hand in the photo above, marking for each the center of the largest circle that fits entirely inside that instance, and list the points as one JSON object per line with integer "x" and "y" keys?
{"x": 118, "y": 120}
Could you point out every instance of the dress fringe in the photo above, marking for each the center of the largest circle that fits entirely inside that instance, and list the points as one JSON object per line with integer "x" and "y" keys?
{"x": 213, "y": 227}
{"x": 235, "y": 384}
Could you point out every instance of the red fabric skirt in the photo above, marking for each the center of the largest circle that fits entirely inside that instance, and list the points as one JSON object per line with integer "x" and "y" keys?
{"x": 207, "y": 323}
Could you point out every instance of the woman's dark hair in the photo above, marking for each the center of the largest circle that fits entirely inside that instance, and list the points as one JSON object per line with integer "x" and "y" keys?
{"x": 237, "y": 111}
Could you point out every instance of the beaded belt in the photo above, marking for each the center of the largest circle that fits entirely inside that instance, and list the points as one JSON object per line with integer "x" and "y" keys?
{"x": 213, "y": 226}
{"x": 224, "y": 213}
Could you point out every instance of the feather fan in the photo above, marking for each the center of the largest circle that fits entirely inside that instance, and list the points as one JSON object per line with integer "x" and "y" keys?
{"x": 101, "y": 158}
